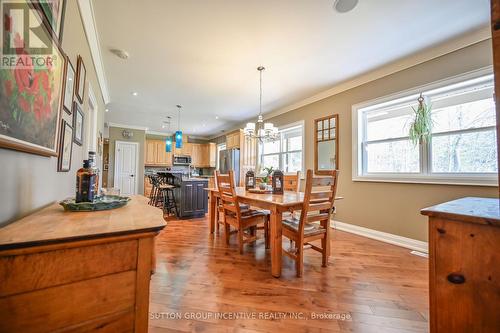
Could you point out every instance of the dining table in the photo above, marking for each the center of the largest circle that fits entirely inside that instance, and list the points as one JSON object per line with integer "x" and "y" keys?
{"x": 277, "y": 204}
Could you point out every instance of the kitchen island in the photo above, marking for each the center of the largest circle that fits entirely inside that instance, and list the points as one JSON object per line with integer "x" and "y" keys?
{"x": 190, "y": 197}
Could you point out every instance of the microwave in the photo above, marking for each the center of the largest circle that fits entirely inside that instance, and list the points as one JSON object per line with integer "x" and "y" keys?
{"x": 182, "y": 160}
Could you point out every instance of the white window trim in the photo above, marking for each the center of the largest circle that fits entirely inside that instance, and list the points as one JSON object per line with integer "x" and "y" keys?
{"x": 436, "y": 178}
{"x": 282, "y": 128}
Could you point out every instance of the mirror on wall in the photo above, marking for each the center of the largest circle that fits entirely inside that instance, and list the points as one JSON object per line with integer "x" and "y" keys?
{"x": 326, "y": 144}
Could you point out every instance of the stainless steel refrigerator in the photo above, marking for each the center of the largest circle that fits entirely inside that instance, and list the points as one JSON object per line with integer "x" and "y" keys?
{"x": 229, "y": 159}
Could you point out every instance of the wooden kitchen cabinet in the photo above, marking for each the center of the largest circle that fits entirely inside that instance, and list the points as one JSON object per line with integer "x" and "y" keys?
{"x": 204, "y": 155}
{"x": 187, "y": 149}
{"x": 156, "y": 155}
{"x": 464, "y": 252}
{"x": 233, "y": 140}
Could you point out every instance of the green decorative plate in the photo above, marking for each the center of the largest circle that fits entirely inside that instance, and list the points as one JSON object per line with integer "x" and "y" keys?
{"x": 105, "y": 202}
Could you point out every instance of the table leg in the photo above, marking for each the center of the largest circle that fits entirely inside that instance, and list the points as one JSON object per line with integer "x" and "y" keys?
{"x": 212, "y": 211}
{"x": 276, "y": 243}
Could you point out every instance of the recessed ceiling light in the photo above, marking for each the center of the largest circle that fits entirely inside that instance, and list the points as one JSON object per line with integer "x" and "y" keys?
{"x": 107, "y": 110}
{"x": 216, "y": 117}
{"x": 344, "y": 6}
{"x": 135, "y": 93}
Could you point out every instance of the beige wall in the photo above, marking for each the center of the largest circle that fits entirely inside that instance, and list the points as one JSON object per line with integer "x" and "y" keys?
{"x": 115, "y": 134}
{"x": 30, "y": 181}
{"x": 388, "y": 207}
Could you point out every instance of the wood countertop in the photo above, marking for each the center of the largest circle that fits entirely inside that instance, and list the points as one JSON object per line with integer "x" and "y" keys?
{"x": 469, "y": 209}
{"x": 53, "y": 225}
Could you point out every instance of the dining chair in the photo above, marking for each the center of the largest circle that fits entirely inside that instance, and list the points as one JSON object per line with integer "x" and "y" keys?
{"x": 238, "y": 216}
{"x": 317, "y": 206}
{"x": 220, "y": 208}
{"x": 291, "y": 182}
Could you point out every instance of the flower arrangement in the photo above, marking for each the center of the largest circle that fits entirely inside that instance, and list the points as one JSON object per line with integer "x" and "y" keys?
{"x": 269, "y": 171}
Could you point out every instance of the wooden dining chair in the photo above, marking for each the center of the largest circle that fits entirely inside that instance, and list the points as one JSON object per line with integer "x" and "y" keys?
{"x": 318, "y": 203}
{"x": 244, "y": 221}
{"x": 291, "y": 182}
{"x": 220, "y": 208}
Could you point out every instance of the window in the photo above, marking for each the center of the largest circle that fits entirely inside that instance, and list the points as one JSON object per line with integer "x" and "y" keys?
{"x": 463, "y": 145}
{"x": 285, "y": 153}
{"x": 220, "y": 147}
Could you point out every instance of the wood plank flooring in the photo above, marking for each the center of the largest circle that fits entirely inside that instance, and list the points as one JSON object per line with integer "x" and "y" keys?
{"x": 373, "y": 286}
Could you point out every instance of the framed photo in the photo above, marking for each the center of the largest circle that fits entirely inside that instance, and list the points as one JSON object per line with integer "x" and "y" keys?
{"x": 78, "y": 123}
{"x": 81, "y": 72}
{"x": 31, "y": 97}
{"x": 54, "y": 10}
{"x": 65, "y": 147}
{"x": 69, "y": 86}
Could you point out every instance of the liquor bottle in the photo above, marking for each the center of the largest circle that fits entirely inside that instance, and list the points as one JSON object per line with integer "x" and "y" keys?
{"x": 85, "y": 181}
{"x": 92, "y": 162}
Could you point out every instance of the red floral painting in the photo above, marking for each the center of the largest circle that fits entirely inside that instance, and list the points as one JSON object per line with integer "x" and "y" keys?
{"x": 30, "y": 96}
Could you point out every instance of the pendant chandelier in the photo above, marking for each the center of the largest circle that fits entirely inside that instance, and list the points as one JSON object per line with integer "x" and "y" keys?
{"x": 168, "y": 141}
{"x": 178, "y": 133}
{"x": 263, "y": 131}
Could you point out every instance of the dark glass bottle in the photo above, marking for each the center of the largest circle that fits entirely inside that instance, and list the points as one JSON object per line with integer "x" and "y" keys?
{"x": 92, "y": 162}
{"x": 85, "y": 182}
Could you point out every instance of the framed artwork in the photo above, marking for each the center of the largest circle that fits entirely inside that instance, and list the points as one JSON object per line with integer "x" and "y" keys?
{"x": 78, "y": 124}
{"x": 31, "y": 94}
{"x": 81, "y": 72}
{"x": 69, "y": 86}
{"x": 65, "y": 147}
{"x": 54, "y": 10}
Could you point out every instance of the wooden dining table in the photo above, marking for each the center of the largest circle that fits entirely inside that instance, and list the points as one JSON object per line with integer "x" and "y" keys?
{"x": 277, "y": 204}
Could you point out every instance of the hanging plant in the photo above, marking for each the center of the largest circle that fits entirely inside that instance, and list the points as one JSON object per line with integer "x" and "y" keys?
{"x": 421, "y": 127}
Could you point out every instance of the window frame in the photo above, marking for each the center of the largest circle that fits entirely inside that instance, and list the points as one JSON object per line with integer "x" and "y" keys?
{"x": 425, "y": 174}
{"x": 282, "y": 153}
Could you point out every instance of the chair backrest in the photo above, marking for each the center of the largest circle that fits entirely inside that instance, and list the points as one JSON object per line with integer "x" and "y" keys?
{"x": 319, "y": 197}
{"x": 227, "y": 193}
{"x": 292, "y": 182}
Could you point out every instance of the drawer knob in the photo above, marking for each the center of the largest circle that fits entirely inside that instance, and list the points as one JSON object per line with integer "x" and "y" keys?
{"x": 456, "y": 278}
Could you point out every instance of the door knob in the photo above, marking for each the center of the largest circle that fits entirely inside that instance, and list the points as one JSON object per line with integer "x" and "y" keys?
{"x": 131, "y": 175}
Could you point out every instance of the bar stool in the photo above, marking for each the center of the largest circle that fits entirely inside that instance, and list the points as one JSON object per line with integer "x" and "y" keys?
{"x": 169, "y": 204}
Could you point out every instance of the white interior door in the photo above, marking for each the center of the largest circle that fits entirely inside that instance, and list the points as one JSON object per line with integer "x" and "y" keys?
{"x": 126, "y": 164}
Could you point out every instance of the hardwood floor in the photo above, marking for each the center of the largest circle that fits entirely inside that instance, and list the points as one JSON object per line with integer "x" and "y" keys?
{"x": 378, "y": 287}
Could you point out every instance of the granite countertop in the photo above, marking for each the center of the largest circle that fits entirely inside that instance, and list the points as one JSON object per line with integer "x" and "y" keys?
{"x": 470, "y": 209}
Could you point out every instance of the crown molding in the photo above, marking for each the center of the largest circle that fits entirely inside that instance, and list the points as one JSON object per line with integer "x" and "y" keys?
{"x": 141, "y": 128}
{"x": 159, "y": 133}
{"x": 452, "y": 45}
{"x": 90, "y": 27}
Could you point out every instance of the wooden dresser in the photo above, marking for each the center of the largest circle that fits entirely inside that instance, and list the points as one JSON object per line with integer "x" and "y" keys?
{"x": 464, "y": 249}
{"x": 78, "y": 272}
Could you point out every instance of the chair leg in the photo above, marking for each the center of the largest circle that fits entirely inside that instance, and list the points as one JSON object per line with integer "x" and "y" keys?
{"x": 240, "y": 240}
{"x": 324, "y": 253}
{"x": 266, "y": 233}
{"x": 227, "y": 230}
{"x": 299, "y": 262}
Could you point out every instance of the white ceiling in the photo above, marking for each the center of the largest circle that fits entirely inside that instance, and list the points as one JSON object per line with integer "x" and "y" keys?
{"x": 203, "y": 54}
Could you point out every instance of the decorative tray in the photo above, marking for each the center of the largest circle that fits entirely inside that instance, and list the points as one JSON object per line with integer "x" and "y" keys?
{"x": 258, "y": 190}
{"x": 104, "y": 202}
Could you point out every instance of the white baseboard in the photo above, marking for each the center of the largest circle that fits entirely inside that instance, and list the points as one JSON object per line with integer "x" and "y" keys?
{"x": 408, "y": 243}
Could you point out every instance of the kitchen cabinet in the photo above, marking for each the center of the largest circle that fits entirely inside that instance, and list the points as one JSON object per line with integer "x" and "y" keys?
{"x": 193, "y": 200}
{"x": 156, "y": 155}
{"x": 204, "y": 155}
{"x": 187, "y": 149}
{"x": 233, "y": 140}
